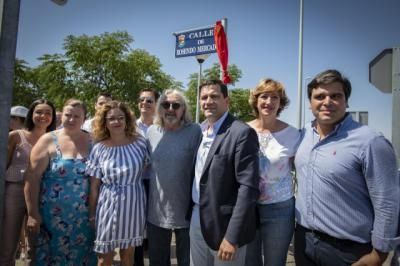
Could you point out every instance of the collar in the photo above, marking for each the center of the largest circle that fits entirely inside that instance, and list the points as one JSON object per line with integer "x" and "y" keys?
{"x": 215, "y": 126}
{"x": 347, "y": 120}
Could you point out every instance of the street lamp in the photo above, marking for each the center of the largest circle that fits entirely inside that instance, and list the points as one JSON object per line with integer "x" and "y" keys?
{"x": 300, "y": 67}
{"x": 304, "y": 96}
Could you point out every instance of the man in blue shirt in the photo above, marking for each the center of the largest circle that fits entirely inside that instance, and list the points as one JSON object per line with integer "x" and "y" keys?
{"x": 347, "y": 205}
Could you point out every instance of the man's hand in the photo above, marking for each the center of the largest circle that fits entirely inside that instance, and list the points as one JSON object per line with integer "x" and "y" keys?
{"x": 226, "y": 251}
{"x": 375, "y": 258}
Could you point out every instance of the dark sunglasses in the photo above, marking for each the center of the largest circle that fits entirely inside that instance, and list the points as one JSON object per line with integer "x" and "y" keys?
{"x": 145, "y": 99}
{"x": 167, "y": 105}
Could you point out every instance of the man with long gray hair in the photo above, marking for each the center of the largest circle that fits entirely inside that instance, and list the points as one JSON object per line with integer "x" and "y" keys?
{"x": 174, "y": 140}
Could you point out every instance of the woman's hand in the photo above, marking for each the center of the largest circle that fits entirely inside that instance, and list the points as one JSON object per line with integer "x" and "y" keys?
{"x": 33, "y": 224}
{"x": 92, "y": 221}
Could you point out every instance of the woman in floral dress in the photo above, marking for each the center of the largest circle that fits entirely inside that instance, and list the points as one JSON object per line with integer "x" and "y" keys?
{"x": 57, "y": 181}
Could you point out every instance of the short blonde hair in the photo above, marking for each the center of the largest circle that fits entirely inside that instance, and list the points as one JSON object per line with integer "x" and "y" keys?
{"x": 269, "y": 85}
{"x": 100, "y": 131}
{"x": 76, "y": 103}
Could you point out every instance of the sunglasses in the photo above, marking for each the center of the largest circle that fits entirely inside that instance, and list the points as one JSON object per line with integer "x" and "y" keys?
{"x": 168, "y": 105}
{"x": 146, "y": 100}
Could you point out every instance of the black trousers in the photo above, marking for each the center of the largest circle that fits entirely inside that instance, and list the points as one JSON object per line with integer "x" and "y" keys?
{"x": 139, "y": 251}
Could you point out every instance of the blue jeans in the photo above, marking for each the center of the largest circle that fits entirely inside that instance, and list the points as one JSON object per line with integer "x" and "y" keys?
{"x": 274, "y": 236}
{"x": 396, "y": 257}
{"x": 314, "y": 249}
{"x": 160, "y": 245}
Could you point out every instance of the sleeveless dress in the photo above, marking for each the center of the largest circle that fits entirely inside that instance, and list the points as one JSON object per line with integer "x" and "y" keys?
{"x": 14, "y": 201}
{"x": 66, "y": 237}
{"x": 121, "y": 206}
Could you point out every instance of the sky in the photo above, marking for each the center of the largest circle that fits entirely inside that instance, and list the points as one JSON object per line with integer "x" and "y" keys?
{"x": 263, "y": 39}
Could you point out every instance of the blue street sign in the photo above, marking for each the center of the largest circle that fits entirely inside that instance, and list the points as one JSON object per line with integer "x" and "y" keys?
{"x": 195, "y": 42}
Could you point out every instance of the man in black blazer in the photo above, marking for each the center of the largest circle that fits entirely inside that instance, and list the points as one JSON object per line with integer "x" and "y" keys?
{"x": 225, "y": 187}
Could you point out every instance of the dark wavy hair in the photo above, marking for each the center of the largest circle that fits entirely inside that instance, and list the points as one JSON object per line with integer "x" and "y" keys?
{"x": 328, "y": 77}
{"x": 155, "y": 93}
{"x": 29, "y": 121}
{"x": 223, "y": 88}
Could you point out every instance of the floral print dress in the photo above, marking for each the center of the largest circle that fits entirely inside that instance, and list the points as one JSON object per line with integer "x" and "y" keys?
{"x": 66, "y": 237}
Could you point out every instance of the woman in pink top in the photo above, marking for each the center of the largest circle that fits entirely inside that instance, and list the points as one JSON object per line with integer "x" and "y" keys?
{"x": 39, "y": 120}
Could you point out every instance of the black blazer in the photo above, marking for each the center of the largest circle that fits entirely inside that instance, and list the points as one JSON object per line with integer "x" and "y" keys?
{"x": 229, "y": 185}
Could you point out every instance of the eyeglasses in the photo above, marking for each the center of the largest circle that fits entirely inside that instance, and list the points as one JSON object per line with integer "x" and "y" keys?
{"x": 167, "y": 105}
{"x": 115, "y": 119}
{"x": 146, "y": 100}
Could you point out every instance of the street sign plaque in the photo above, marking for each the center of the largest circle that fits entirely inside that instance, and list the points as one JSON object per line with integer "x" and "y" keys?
{"x": 195, "y": 42}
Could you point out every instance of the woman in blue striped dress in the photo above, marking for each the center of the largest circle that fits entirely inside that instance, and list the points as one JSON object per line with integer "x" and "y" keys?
{"x": 117, "y": 198}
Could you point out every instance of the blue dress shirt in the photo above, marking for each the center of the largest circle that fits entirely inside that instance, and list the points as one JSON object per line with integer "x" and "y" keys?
{"x": 348, "y": 185}
{"x": 202, "y": 152}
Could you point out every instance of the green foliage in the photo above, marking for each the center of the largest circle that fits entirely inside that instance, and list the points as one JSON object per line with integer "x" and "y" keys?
{"x": 239, "y": 104}
{"x": 215, "y": 73}
{"x": 90, "y": 65}
{"x": 238, "y": 97}
{"x": 24, "y": 91}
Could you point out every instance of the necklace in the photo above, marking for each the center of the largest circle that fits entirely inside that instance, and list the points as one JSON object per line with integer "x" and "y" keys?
{"x": 264, "y": 138}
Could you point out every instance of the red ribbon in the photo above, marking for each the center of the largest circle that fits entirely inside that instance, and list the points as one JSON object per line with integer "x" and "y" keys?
{"x": 222, "y": 50}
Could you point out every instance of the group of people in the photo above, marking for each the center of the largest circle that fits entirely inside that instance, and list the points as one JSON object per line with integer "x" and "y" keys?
{"x": 225, "y": 188}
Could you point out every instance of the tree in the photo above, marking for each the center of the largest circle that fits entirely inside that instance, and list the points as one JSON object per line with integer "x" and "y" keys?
{"x": 238, "y": 97}
{"x": 92, "y": 64}
{"x": 239, "y": 104}
{"x": 23, "y": 90}
{"x": 52, "y": 79}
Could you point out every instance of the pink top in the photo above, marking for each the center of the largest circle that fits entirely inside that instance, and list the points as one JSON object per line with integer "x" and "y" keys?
{"x": 20, "y": 160}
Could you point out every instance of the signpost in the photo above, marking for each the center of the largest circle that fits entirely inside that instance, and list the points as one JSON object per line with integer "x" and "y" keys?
{"x": 9, "y": 16}
{"x": 195, "y": 42}
{"x": 200, "y": 43}
{"x": 384, "y": 74}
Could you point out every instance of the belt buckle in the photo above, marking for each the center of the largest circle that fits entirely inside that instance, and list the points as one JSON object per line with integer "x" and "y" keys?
{"x": 322, "y": 236}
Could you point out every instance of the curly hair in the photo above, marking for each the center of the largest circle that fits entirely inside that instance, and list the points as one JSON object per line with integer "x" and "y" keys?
{"x": 100, "y": 131}
{"x": 268, "y": 85}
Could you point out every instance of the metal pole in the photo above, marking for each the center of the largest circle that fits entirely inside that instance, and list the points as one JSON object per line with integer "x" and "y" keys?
{"x": 9, "y": 17}
{"x": 300, "y": 67}
{"x": 200, "y": 60}
{"x": 304, "y": 99}
{"x": 396, "y": 102}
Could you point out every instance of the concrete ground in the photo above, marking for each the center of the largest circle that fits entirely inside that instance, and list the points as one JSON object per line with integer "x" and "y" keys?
{"x": 289, "y": 260}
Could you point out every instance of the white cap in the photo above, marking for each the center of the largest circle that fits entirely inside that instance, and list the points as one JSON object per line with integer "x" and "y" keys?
{"x": 19, "y": 111}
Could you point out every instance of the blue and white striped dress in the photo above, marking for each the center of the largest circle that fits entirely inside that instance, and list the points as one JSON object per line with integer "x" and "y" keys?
{"x": 121, "y": 205}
